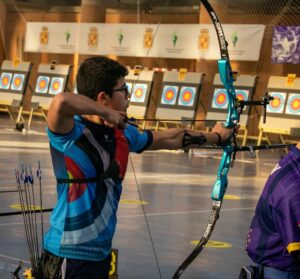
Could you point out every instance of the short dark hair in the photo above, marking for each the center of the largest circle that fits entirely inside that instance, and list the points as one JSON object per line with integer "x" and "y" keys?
{"x": 98, "y": 74}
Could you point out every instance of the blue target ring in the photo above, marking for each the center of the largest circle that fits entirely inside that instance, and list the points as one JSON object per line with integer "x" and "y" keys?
{"x": 169, "y": 95}
{"x": 220, "y": 99}
{"x": 293, "y": 104}
{"x": 56, "y": 85}
{"x": 17, "y": 82}
{"x": 42, "y": 84}
{"x": 277, "y": 104}
{"x": 187, "y": 96}
{"x": 129, "y": 87}
{"x": 5, "y": 80}
{"x": 139, "y": 93}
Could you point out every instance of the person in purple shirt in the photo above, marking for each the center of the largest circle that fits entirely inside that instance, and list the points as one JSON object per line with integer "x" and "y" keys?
{"x": 273, "y": 241}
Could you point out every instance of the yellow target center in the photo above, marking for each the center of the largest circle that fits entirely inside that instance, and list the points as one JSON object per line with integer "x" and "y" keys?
{"x": 187, "y": 96}
{"x": 276, "y": 102}
{"x": 169, "y": 95}
{"x": 296, "y": 104}
{"x": 221, "y": 98}
{"x": 5, "y": 81}
{"x": 42, "y": 84}
{"x": 56, "y": 85}
{"x": 138, "y": 93}
{"x": 17, "y": 82}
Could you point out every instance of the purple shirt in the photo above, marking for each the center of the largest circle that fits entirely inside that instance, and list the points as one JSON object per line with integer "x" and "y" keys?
{"x": 275, "y": 229}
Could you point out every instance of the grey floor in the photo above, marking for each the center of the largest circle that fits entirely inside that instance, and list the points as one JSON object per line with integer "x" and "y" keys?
{"x": 175, "y": 187}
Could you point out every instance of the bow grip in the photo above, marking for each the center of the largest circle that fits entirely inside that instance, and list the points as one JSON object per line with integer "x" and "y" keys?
{"x": 219, "y": 188}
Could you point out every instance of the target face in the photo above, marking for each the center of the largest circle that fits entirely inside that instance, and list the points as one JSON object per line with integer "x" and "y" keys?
{"x": 139, "y": 93}
{"x": 129, "y": 87}
{"x": 169, "y": 95}
{"x": 293, "y": 104}
{"x": 242, "y": 95}
{"x": 56, "y": 85}
{"x": 276, "y": 105}
{"x": 220, "y": 99}
{"x": 187, "y": 96}
{"x": 42, "y": 84}
{"x": 17, "y": 82}
{"x": 5, "y": 80}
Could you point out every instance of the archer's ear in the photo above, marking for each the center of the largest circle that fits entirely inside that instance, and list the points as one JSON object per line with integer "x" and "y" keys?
{"x": 103, "y": 98}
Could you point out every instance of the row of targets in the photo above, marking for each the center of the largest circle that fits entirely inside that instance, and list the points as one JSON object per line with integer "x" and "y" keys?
{"x": 244, "y": 88}
{"x": 14, "y": 79}
{"x": 179, "y": 95}
{"x": 140, "y": 86}
{"x": 51, "y": 80}
{"x": 284, "y": 103}
{"x": 283, "y": 112}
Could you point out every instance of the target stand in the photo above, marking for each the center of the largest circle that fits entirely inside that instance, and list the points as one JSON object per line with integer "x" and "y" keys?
{"x": 140, "y": 87}
{"x": 51, "y": 80}
{"x": 178, "y": 99}
{"x": 13, "y": 83}
{"x": 244, "y": 88}
{"x": 283, "y": 112}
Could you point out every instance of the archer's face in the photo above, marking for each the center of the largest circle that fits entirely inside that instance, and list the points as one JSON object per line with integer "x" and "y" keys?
{"x": 120, "y": 97}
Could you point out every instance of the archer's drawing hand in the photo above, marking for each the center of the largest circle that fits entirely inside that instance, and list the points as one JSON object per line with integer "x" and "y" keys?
{"x": 115, "y": 118}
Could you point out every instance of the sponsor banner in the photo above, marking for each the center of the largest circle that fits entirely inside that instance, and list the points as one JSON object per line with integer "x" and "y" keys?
{"x": 191, "y": 41}
{"x": 51, "y": 37}
{"x": 286, "y": 44}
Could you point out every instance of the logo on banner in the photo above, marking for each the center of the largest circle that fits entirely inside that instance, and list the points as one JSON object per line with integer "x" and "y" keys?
{"x": 286, "y": 44}
{"x": 234, "y": 38}
{"x": 67, "y": 35}
{"x": 293, "y": 104}
{"x": 203, "y": 39}
{"x": 277, "y": 104}
{"x": 93, "y": 37}
{"x": 174, "y": 38}
{"x": 148, "y": 38}
{"x": 44, "y": 36}
{"x": 120, "y": 37}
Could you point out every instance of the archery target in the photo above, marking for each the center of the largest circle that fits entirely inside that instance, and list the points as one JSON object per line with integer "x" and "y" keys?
{"x": 169, "y": 95}
{"x": 42, "y": 84}
{"x": 5, "y": 80}
{"x": 139, "y": 93}
{"x": 129, "y": 87}
{"x": 187, "y": 96}
{"x": 242, "y": 95}
{"x": 293, "y": 104}
{"x": 56, "y": 85}
{"x": 276, "y": 105}
{"x": 17, "y": 82}
{"x": 220, "y": 99}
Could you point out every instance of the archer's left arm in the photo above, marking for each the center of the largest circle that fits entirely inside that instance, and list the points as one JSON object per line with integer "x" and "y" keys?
{"x": 174, "y": 138}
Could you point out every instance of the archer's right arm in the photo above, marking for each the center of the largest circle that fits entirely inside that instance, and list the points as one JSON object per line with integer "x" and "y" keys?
{"x": 65, "y": 105}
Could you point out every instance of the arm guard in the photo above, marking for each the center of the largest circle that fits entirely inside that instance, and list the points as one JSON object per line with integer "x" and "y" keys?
{"x": 188, "y": 139}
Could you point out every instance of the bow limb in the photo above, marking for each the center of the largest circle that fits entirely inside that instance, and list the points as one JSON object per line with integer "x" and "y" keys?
{"x": 219, "y": 188}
